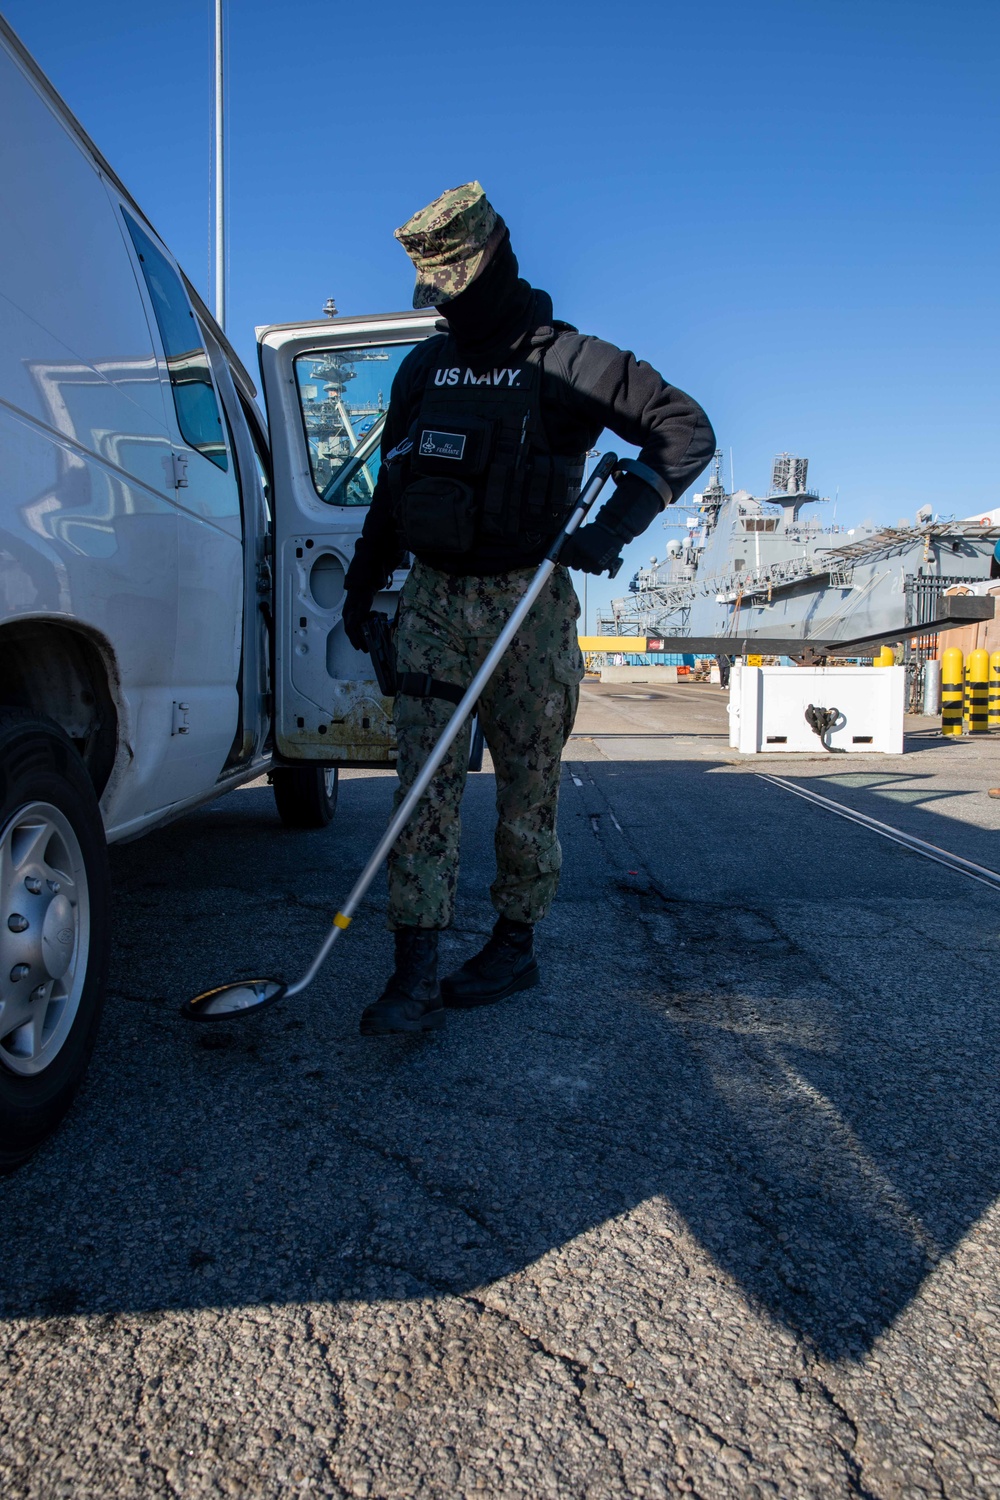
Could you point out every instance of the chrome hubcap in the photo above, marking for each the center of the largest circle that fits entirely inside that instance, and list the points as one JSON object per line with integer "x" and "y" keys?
{"x": 44, "y": 936}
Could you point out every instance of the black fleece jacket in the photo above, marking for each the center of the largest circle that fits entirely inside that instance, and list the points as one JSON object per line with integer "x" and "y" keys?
{"x": 587, "y": 385}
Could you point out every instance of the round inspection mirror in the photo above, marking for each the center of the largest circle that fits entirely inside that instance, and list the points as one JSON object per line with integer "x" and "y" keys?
{"x": 227, "y": 1002}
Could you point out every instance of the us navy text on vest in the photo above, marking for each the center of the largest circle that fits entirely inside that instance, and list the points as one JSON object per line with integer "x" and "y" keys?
{"x": 457, "y": 376}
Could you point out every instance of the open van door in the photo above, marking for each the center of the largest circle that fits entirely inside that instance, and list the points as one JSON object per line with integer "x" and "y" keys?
{"x": 327, "y": 389}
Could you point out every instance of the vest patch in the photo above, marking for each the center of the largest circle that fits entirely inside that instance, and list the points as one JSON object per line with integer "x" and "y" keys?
{"x": 400, "y": 451}
{"x": 457, "y": 376}
{"x": 442, "y": 444}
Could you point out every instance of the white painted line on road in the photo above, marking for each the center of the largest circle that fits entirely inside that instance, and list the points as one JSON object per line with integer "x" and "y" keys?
{"x": 576, "y": 780}
{"x": 616, "y": 822}
{"x": 908, "y": 840}
{"x": 659, "y": 734}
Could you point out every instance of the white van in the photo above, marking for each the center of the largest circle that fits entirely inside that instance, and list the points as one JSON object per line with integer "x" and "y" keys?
{"x": 169, "y": 606}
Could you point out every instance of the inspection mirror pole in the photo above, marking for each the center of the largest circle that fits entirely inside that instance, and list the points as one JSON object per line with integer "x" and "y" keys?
{"x": 219, "y": 218}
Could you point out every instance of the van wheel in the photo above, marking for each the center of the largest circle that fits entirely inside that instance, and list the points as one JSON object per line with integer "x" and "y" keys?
{"x": 306, "y": 795}
{"x": 55, "y": 935}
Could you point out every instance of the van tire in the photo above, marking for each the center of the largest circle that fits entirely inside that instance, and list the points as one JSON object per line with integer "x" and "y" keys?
{"x": 50, "y": 823}
{"x": 306, "y": 796}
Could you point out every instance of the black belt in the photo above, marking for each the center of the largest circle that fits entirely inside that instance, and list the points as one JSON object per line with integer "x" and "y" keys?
{"x": 423, "y": 685}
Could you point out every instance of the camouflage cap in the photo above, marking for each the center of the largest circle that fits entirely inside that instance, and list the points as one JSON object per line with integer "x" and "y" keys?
{"x": 449, "y": 242}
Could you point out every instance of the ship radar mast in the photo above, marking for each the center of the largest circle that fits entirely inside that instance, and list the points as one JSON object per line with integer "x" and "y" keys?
{"x": 788, "y": 486}
{"x": 710, "y": 500}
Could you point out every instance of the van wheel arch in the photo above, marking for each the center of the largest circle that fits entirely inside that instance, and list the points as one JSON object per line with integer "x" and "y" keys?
{"x": 68, "y": 676}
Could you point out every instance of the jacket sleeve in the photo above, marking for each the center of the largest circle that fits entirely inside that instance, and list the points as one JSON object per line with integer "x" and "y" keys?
{"x": 613, "y": 389}
{"x": 378, "y": 551}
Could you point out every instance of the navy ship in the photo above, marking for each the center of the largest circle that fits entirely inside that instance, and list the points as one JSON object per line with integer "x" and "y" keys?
{"x": 765, "y": 574}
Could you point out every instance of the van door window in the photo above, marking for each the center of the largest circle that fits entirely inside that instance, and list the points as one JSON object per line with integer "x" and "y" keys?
{"x": 344, "y": 396}
{"x": 195, "y": 401}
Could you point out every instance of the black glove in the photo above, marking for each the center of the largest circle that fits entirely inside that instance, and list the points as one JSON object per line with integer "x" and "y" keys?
{"x": 357, "y": 607}
{"x": 591, "y": 549}
{"x": 633, "y": 505}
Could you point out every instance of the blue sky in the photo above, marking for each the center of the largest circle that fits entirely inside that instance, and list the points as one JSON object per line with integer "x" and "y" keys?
{"x": 788, "y": 206}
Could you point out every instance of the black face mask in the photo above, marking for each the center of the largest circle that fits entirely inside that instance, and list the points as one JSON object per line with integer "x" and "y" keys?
{"x": 495, "y": 307}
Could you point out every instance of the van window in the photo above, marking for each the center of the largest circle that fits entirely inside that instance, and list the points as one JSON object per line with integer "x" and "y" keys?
{"x": 344, "y": 396}
{"x": 195, "y": 401}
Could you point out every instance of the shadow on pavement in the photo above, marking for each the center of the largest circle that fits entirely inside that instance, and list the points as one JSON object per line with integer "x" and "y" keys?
{"x": 780, "y": 1025}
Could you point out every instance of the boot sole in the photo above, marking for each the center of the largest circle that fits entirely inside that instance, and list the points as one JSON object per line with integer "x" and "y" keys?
{"x": 432, "y": 1021}
{"x": 525, "y": 981}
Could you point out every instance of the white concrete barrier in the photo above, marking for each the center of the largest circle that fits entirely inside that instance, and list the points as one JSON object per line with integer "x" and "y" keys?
{"x": 639, "y": 674}
{"x": 767, "y": 709}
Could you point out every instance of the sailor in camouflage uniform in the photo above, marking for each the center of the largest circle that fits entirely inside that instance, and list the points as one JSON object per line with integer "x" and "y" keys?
{"x": 483, "y": 451}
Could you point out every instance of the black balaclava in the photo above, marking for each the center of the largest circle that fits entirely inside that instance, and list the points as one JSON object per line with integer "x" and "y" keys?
{"x": 494, "y": 309}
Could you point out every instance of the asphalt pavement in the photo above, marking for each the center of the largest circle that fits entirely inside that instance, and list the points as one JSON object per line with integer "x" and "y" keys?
{"x": 711, "y": 1212}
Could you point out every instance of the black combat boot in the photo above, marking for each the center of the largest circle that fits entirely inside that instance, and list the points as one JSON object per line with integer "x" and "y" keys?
{"x": 411, "y": 1001}
{"x": 506, "y": 964}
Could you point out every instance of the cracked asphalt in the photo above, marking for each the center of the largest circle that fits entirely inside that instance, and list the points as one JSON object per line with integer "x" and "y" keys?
{"x": 711, "y": 1212}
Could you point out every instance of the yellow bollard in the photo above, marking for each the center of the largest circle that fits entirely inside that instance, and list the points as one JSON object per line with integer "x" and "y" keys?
{"x": 951, "y": 691}
{"x": 995, "y": 690}
{"x": 977, "y": 690}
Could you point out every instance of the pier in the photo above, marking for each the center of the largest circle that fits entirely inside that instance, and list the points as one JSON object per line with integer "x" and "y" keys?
{"x": 713, "y": 1211}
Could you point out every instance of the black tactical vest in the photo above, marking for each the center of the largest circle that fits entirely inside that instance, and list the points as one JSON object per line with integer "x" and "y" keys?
{"x": 476, "y": 470}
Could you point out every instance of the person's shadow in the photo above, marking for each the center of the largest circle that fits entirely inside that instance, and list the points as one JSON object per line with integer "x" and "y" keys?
{"x": 827, "y": 1132}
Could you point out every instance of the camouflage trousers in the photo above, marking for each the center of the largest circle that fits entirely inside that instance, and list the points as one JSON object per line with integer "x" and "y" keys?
{"x": 446, "y": 626}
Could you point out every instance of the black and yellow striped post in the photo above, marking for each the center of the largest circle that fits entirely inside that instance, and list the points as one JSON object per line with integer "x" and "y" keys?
{"x": 995, "y": 690}
{"x": 977, "y": 692}
{"x": 951, "y": 691}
